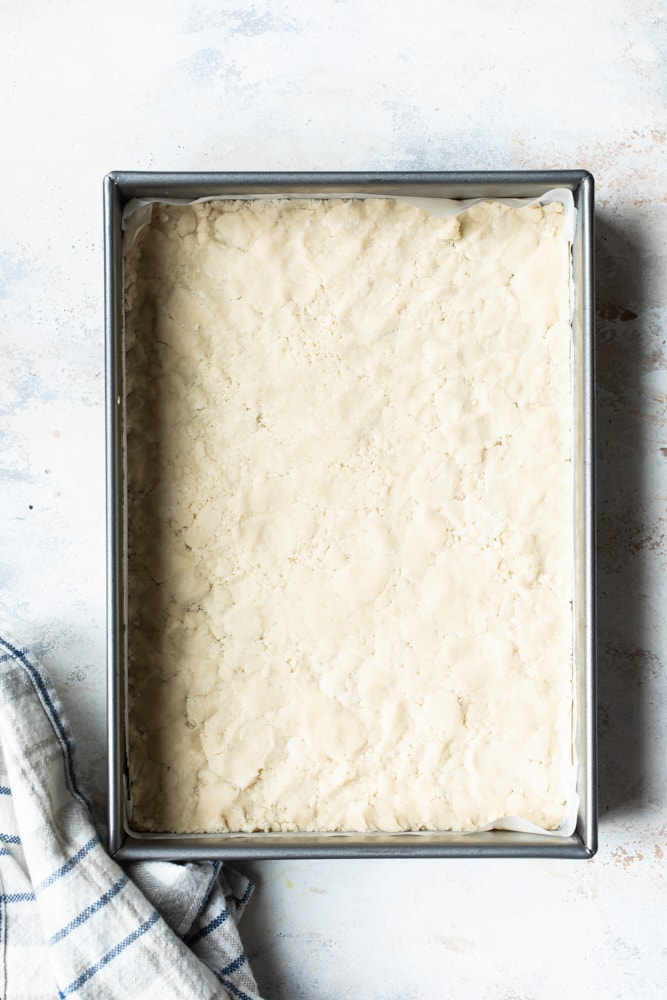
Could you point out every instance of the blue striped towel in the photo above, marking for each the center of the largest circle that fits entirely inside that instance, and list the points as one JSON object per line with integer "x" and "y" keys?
{"x": 72, "y": 922}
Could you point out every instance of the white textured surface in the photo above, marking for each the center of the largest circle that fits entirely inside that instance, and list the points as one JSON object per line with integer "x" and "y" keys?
{"x": 338, "y": 544}
{"x": 88, "y": 88}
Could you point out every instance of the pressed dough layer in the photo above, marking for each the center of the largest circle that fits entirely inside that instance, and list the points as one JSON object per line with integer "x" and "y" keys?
{"x": 350, "y": 516}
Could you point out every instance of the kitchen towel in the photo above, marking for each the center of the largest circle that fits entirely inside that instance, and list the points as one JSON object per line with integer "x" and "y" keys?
{"x": 73, "y": 923}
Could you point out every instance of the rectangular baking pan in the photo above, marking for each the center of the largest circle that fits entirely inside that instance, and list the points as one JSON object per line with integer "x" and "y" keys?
{"x": 126, "y": 844}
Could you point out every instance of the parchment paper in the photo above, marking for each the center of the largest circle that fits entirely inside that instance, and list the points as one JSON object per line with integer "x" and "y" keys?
{"x": 137, "y": 214}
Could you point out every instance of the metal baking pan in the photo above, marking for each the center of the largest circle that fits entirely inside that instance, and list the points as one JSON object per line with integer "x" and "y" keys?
{"x": 126, "y": 844}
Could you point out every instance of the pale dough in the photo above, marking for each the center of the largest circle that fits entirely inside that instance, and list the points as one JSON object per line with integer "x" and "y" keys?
{"x": 350, "y": 516}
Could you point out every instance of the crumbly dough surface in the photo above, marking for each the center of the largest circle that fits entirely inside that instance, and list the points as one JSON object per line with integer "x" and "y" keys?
{"x": 350, "y": 516}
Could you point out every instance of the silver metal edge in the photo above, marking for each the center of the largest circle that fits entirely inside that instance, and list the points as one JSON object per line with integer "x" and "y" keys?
{"x": 586, "y": 207}
{"x": 523, "y": 184}
{"x": 112, "y": 331}
{"x": 120, "y": 187}
{"x": 497, "y": 844}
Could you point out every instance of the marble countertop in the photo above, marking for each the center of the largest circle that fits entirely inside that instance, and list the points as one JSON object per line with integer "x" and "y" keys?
{"x": 208, "y": 85}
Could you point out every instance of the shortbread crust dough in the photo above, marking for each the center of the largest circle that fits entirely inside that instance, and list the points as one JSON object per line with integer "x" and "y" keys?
{"x": 350, "y": 516}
